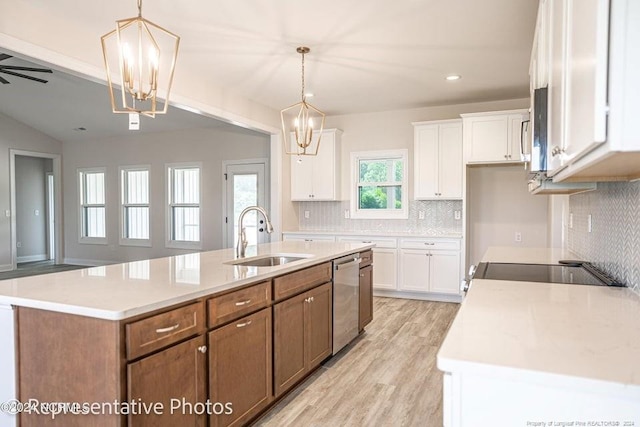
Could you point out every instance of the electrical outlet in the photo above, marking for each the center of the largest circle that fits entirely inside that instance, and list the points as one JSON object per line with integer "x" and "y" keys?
{"x": 571, "y": 220}
{"x": 36, "y": 212}
{"x": 456, "y": 214}
{"x": 346, "y": 214}
{"x": 589, "y": 225}
{"x": 420, "y": 214}
{"x": 518, "y": 236}
{"x": 19, "y": 244}
{"x": 7, "y": 213}
{"x": 306, "y": 214}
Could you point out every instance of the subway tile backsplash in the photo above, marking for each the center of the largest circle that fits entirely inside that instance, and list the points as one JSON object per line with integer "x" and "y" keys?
{"x": 438, "y": 219}
{"x": 614, "y": 242}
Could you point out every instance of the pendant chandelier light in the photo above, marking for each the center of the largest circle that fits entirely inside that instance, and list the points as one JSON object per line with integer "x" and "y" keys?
{"x": 143, "y": 57}
{"x": 302, "y": 123}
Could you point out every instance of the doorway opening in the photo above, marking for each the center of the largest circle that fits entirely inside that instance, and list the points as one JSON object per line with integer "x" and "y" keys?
{"x": 35, "y": 208}
{"x": 244, "y": 185}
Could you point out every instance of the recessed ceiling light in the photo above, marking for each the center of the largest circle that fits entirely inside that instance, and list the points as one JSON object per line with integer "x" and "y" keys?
{"x": 80, "y": 129}
{"x": 453, "y": 77}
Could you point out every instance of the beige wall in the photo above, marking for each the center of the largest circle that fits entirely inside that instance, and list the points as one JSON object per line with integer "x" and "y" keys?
{"x": 383, "y": 131}
{"x": 499, "y": 205}
{"x": 15, "y": 135}
{"x": 209, "y": 146}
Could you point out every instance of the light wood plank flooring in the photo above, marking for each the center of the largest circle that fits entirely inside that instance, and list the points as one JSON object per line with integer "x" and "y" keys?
{"x": 387, "y": 377}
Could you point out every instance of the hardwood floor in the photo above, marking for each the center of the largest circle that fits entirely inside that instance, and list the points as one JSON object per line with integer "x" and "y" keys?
{"x": 387, "y": 377}
{"x": 36, "y": 268}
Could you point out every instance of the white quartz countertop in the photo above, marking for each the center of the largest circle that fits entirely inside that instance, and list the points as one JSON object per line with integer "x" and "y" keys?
{"x": 120, "y": 291}
{"x": 572, "y": 331}
{"x": 373, "y": 234}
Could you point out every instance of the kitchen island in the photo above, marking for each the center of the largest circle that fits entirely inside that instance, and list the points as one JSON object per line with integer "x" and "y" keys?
{"x": 520, "y": 353}
{"x": 194, "y": 339}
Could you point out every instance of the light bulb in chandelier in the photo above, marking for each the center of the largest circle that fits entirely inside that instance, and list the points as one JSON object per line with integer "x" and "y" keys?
{"x": 302, "y": 123}
{"x": 140, "y": 59}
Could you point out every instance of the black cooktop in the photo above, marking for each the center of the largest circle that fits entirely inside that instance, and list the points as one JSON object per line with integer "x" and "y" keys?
{"x": 584, "y": 274}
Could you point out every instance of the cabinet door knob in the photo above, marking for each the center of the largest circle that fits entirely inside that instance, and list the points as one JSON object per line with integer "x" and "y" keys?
{"x": 202, "y": 349}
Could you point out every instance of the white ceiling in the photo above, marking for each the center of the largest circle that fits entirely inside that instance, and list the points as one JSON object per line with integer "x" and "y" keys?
{"x": 365, "y": 55}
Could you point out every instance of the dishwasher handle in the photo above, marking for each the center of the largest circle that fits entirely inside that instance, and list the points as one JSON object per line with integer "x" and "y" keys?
{"x": 355, "y": 261}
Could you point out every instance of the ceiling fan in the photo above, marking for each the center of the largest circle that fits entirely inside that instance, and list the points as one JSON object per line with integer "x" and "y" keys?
{"x": 12, "y": 70}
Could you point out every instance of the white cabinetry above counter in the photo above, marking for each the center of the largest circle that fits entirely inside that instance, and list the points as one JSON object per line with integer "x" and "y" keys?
{"x": 317, "y": 178}
{"x": 494, "y": 137}
{"x": 438, "y": 160}
{"x": 587, "y": 53}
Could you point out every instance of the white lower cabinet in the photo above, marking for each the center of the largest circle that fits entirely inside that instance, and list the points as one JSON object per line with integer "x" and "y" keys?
{"x": 385, "y": 260}
{"x": 430, "y": 265}
{"x": 416, "y": 268}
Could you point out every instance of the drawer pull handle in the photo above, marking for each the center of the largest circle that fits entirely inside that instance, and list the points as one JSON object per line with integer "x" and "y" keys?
{"x": 242, "y": 325}
{"x": 366, "y": 241}
{"x": 202, "y": 349}
{"x": 241, "y": 303}
{"x": 309, "y": 300}
{"x": 430, "y": 244}
{"x": 361, "y": 274}
{"x": 168, "y": 329}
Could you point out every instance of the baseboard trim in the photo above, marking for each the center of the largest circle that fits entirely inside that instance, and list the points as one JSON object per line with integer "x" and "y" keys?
{"x": 417, "y": 296}
{"x": 32, "y": 258}
{"x": 6, "y": 267}
{"x": 86, "y": 262}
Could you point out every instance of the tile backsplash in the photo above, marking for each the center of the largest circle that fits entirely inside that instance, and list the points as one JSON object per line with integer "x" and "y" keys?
{"x": 613, "y": 245}
{"x": 438, "y": 219}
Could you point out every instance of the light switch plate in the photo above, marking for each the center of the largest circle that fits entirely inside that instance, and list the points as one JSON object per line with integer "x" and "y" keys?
{"x": 7, "y": 213}
{"x": 456, "y": 214}
{"x": 346, "y": 214}
{"x": 306, "y": 214}
{"x": 420, "y": 214}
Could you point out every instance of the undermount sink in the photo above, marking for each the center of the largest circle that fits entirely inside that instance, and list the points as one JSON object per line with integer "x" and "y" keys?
{"x": 268, "y": 261}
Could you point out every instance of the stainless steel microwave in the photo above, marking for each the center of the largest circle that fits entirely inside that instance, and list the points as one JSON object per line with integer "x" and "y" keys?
{"x": 539, "y": 142}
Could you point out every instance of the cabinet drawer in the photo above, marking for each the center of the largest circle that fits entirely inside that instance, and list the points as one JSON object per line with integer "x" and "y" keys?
{"x": 296, "y": 282}
{"x": 367, "y": 258}
{"x": 234, "y": 305}
{"x": 380, "y": 242}
{"x": 161, "y": 330}
{"x": 442, "y": 244}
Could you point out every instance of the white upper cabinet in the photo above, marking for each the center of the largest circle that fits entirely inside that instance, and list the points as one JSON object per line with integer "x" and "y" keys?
{"x": 438, "y": 163}
{"x": 592, "y": 66}
{"x": 317, "y": 178}
{"x": 494, "y": 137}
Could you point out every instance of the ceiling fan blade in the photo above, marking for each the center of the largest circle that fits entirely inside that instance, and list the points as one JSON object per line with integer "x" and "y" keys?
{"x": 3, "y": 81}
{"x": 4, "y": 56}
{"x": 24, "y": 76}
{"x": 37, "y": 70}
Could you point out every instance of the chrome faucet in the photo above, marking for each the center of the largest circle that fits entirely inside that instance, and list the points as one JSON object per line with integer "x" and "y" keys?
{"x": 242, "y": 236}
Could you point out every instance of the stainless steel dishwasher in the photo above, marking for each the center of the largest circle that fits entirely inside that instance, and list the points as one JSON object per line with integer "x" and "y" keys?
{"x": 346, "y": 279}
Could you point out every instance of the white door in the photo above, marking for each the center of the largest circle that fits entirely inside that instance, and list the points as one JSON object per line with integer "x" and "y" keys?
{"x": 414, "y": 271}
{"x": 245, "y": 186}
{"x": 444, "y": 274}
{"x": 426, "y": 162}
{"x": 450, "y": 161}
{"x": 385, "y": 270}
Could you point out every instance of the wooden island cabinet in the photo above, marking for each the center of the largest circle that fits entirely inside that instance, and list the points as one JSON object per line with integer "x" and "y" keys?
{"x": 218, "y": 360}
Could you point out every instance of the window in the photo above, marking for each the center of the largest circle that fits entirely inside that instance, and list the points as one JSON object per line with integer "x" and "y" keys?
{"x": 184, "y": 206}
{"x": 379, "y": 184}
{"x": 134, "y": 215}
{"x": 91, "y": 185}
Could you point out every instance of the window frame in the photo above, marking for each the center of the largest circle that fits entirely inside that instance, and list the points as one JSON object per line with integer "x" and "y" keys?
{"x": 398, "y": 154}
{"x": 169, "y": 242}
{"x": 81, "y": 182}
{"x": 127, "y": 241}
